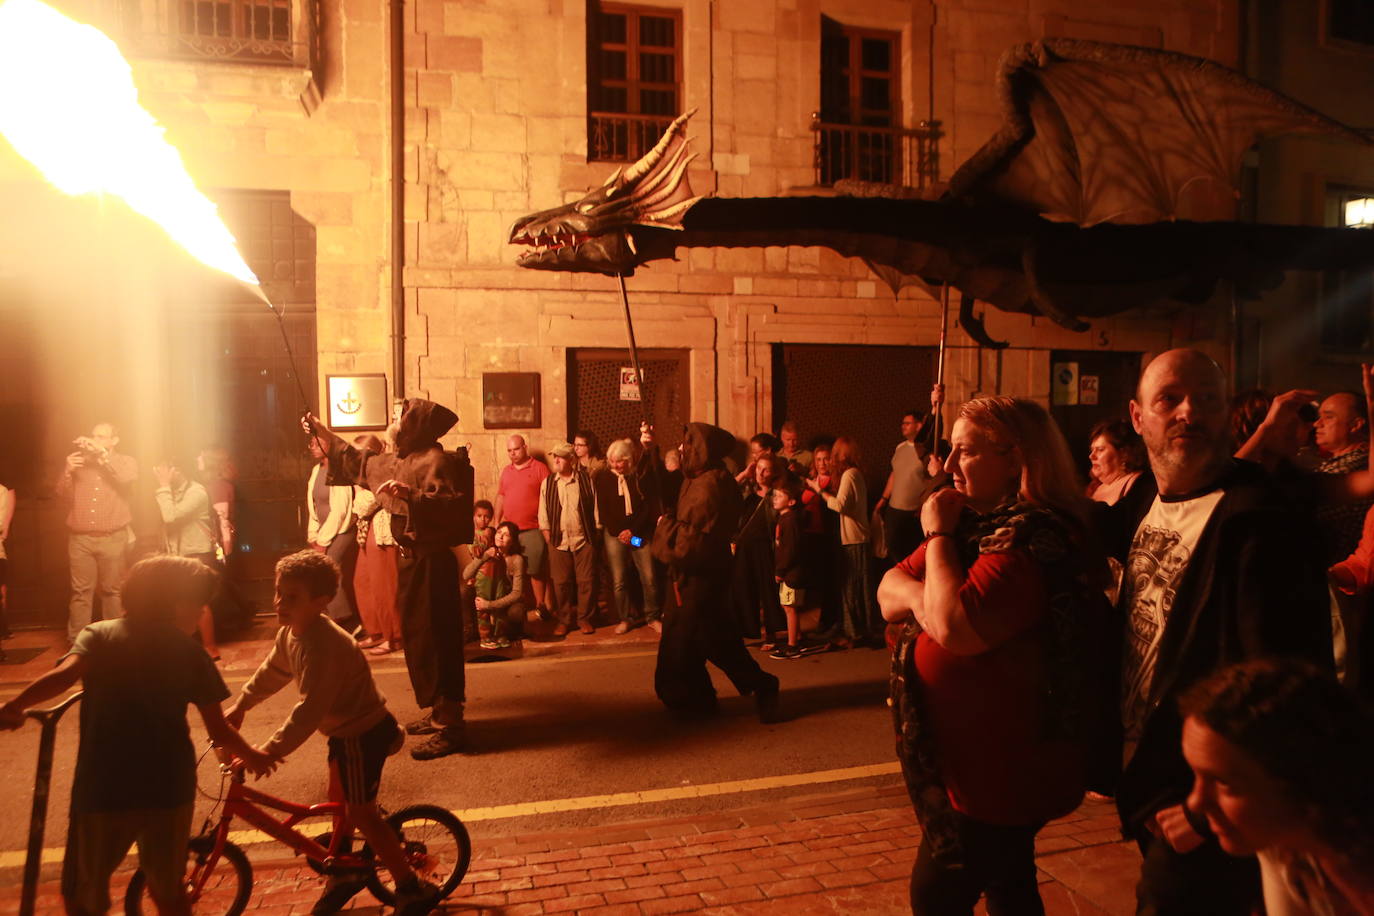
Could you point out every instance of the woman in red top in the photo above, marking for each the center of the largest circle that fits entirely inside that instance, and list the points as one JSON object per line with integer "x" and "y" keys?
{"x": 997, "y": 685}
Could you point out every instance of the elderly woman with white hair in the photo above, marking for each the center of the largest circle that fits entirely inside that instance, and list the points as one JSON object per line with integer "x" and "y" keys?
{"x": 628, "y": 504}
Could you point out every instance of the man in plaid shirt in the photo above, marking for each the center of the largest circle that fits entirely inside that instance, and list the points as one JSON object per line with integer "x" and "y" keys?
{"x": 98, "y": 481}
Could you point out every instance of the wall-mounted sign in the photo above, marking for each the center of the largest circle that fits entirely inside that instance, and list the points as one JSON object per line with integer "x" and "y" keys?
{"x": 510, "y": 400}
{"x": 629, "y": 385}
{"x": 1063, "y": 384}
{"x": 357, "y": 402}
{"x": 1088, "y": 389}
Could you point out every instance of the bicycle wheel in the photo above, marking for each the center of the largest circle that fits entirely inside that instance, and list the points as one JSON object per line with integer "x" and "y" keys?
{"x": 435, "y": 843}
{"x": 225, "y": 891}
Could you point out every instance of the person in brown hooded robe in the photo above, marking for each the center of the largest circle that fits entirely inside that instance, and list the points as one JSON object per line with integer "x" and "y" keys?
{"x": 694, "y": 541}
{"x": 428, "y": 492}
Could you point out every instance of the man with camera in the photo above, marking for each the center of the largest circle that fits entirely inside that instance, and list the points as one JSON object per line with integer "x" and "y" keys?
{"x": 98, "y": 481}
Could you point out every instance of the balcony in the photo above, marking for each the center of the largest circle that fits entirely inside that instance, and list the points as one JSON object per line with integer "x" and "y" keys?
{"x": 887, "y": 155}
{"x": 618, "y": 137}
{"x": 262, "y": 32}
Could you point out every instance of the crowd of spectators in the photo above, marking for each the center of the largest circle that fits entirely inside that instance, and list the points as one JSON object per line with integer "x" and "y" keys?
{"x": 1163, "y": 636}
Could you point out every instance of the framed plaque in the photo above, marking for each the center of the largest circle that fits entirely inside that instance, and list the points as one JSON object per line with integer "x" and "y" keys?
{"x": 510, "y": 400}
{"x": 357, "y": 402}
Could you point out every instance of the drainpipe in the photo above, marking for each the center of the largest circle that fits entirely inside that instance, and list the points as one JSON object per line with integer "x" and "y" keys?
{"x": 398, "y": 199}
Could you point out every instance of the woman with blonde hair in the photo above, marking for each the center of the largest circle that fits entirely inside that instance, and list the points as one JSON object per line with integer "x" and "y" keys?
{"x": 999, "y": 684}
{"x": 859, "y": 618}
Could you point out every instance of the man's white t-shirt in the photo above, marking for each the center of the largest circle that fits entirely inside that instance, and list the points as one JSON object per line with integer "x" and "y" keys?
{"x": 1160, "y": 553}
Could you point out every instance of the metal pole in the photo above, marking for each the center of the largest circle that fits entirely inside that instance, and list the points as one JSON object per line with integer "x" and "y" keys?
{"x": 38, "y": 818}
{"x": 634, "y": 350}
{"x": 940, "y": 359}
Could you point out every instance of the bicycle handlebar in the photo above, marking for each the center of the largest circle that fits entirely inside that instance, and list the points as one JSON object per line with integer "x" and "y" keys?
{"x": 52, "y": 712}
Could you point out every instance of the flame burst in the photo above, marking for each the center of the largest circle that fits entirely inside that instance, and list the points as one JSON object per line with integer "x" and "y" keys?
{"x": 70, "y": 107}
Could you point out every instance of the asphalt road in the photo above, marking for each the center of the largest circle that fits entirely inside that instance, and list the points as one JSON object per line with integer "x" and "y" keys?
{"x": 575, "y": 735}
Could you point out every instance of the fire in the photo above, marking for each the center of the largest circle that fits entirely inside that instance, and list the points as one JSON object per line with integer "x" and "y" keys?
{"x": 70, "y": 107}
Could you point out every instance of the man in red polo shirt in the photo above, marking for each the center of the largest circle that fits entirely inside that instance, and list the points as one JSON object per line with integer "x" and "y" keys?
{"x": 98, "y": 482}
{"x": 517, "y": 500}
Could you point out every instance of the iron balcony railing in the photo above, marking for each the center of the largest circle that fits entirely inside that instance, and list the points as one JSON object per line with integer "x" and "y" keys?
{"x": 278, "y": 32}
{"x": 617, "y": 137}
{"x": 907, "y": 156}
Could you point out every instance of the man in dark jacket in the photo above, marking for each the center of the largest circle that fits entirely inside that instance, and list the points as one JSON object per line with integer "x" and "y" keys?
{"x": 694, "y": 542}
{"x": 1217, "y": 569}
{"x": 428, "y": 492}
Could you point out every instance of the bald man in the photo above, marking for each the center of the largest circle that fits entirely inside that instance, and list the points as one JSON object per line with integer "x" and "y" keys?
{"x": 1218, "y": 569}
{"x": 517, "y": 500}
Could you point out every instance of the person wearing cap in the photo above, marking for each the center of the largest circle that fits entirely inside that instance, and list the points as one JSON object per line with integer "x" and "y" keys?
{"x": 567, "y": 516}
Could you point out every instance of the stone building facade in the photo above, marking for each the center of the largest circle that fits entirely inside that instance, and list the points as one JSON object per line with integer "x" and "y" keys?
{"x": 496, "y": 125}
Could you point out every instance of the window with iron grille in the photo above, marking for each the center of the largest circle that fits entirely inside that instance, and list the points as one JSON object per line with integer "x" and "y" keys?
{"x": 251, "y": 31}
{"x": 634, "y": 79}
{"x": 860, "y": 132}
{"x": 276, "y": 241}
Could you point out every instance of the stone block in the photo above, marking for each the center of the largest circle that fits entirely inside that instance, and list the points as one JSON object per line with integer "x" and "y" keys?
{"x": 365, "y": 58}
{"x": 367, "y": 11}
{"x": 429, "y": 16}
{"x": 499, "y": 133}
{"x": 455, "y": 128}
{"x": 775, "y": 286}
{"x": 442, "y": 244}
{"x": 455, "y": 53}
{"x": 741, "y": 261}
{"x": 485, "y": 171}
{"x": 434, "y": 90}
{"x": 324, "y": 208}
{"x": 486, "y": 237}
{"x": 756, "y": 67}
{"x": 743, "y": 18}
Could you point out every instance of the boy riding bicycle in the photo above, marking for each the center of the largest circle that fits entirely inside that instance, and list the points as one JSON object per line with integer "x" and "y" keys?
{"x": 340, "y": 700}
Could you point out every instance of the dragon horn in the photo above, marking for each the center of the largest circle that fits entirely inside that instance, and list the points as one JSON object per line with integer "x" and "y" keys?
{"x": 650, "y": 159}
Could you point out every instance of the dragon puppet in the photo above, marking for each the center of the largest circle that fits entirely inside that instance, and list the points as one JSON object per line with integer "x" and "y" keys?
{"x": 1077, "y": 207}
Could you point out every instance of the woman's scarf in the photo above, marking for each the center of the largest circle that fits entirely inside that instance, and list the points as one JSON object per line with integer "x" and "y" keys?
{"x": 1075, "y": 624}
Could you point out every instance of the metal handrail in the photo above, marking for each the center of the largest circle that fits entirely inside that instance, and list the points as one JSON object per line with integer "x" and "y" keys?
{"x": 614, "y": 136}
{"x": 907, "y": 156}
{"x": 38, "y": 817}
{"x": 239, "y": 31}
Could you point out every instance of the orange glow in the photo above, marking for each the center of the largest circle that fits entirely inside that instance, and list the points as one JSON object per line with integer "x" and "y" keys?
{"x": 70, "y": 107}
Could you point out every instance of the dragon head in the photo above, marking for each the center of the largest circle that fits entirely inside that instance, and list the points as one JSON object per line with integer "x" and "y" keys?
{"x": 592, "y": 234}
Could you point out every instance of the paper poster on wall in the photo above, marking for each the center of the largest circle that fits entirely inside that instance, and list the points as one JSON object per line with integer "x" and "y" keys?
{"x": 1087, "y": 389}
{"x": 629, "y": 385}
{"x": 1064, "y": 384}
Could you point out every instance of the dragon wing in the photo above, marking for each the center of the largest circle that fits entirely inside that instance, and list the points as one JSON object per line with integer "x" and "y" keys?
{"x": 1106, "y": 133}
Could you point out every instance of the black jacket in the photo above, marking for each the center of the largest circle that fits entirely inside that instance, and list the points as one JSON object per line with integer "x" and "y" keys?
{"x": 643, "y": 480}
{"x": 1255, "y": 586}
{"x": 787, "y": 548}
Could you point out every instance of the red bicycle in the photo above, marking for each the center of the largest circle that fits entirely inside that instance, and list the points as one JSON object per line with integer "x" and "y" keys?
{"x": 434, "y": 840}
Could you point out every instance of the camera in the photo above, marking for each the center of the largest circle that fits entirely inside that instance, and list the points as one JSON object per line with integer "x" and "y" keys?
{"x": 636, "y": 541}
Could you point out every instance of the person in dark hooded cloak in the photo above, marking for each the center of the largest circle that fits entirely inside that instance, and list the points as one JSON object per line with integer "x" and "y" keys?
{"x": 694, "y": 541}
{"x": 428, "y": 492}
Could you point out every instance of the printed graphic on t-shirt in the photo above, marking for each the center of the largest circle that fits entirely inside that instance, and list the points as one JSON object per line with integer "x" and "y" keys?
{"x": 1159, "y": 556}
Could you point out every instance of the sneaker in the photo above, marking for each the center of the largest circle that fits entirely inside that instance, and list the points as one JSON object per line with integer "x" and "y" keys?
{"x": 587, "y": 628}
{"x": 489, "y": 644}
{"x": 338, "y": 890}
{"x": 445, "y": 741}
{"x": 622, "y": 628}
{"x": 417, "y": 898}
{"x": 503, "y": 643}
{"x": 766, "y": 701}
{"x": 811, "y": 648}
{"x": 785, "y": 652}
{"x": 424, "y": 726}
